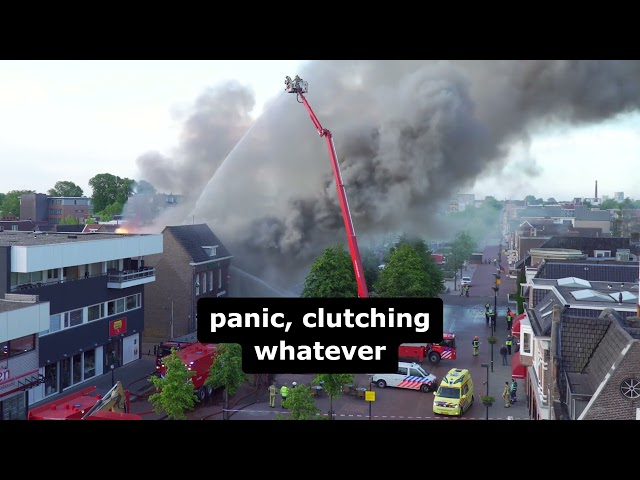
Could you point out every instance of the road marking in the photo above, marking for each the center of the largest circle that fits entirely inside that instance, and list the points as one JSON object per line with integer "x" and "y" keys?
{"x": 399, "y": 417}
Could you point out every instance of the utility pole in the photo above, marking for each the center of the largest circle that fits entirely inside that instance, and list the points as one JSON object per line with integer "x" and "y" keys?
{"x": 172, "y": 320}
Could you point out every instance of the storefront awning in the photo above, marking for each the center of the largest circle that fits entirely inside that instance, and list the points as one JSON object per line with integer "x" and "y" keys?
{"x": 515, "y": 328}
{"x": 518, "y": 371}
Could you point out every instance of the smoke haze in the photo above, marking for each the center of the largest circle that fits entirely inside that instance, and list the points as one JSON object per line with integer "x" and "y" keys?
{"x": 409, "y": 135}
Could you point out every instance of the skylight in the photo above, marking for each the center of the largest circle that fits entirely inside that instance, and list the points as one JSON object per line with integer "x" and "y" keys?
{"x": 573, "y": 282}
{"x": 591, "y": 295}
{"x": 626, "y": 296}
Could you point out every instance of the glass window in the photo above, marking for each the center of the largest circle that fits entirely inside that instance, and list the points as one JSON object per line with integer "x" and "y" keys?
{"x": 120, "y": 305}
{"x": 77, "y": 368}
{"x": 5, "y": 350}
{"x": 54, "y": 323}
{"x": 415, "y": 372}
{"x": 210, "y": 280}
{"x": 111, "y": 308}
{"x": 402, "y": 370}
{"x": 51, "y": 379}
{"x": 526, "y": 343}
{"x": 219, "y": 278}
{"x": 197, "y": 285}
{"x": 89, "y": 364}
{"x": 24, "y": 278}
{"x": 132, "y": 302}
{"x": 36, "y": 276}
{"x": 75, "y": 317}
{"x": 95, "y": 312}
{"x": 204, "y": 282}
{"x": 22, "y": 345}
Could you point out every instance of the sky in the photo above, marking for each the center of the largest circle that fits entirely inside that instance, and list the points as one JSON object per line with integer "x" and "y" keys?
{"x": 70, "y": 120}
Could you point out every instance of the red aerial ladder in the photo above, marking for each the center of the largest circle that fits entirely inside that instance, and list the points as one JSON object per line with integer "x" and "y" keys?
{"x": 300, "y": 87}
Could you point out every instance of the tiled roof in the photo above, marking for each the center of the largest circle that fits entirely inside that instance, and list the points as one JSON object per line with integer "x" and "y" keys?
{"x": 605, "y": 271}
{"x": 194, "y": 237}
{"x": 583, "y": 213}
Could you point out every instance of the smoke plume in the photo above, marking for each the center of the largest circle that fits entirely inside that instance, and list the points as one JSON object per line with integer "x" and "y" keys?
{"x": 408, "y": 134}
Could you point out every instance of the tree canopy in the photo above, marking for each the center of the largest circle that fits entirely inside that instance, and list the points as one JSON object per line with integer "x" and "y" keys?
{"x": 65, "y": 188}
{"x": 108, "y": 190}
{"x": 175, "y": 393}
{"x": 404, "y": 275}
{"x": 11, "y": 202}
{"x": 226, "y": 369}
{"x": 331, "y": 275}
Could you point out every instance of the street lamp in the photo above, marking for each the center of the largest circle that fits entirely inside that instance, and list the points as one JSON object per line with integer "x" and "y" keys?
{"x": 484, "y": 365}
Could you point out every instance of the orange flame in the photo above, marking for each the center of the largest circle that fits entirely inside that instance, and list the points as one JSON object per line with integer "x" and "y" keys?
{"x": 121, "y": 230}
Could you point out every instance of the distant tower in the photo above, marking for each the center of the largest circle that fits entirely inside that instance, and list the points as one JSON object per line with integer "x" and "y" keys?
{"x": 596, "y": 189}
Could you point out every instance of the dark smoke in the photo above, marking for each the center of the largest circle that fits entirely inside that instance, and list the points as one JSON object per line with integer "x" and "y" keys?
{"x": 409, "y": 135}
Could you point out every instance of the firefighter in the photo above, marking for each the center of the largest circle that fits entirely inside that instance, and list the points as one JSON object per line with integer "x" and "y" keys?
{"x": 487, "y": 307}
{"x": 513, "y": 389}
{"x": 272, "y": 394}
{"x": 509, "y": 318}
{"x": 505, "y": 395}
{"x": 476, "y": 345}
{"x": 509, "y": 343}
{"x": 284, "y": 393}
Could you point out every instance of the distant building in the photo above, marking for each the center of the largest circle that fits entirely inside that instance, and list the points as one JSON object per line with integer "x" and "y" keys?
{"x": 618, "y": 196}
{"x": 53, "y": 210}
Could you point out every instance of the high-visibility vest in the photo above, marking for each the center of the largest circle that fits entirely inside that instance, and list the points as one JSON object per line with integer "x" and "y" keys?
{"x": 508, "y": 343}
{"x": 476, "y": 343}
{"x": 284, "y": 391}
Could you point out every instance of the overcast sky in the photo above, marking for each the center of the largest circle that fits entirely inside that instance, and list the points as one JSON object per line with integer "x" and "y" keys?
{"x": 71, "y": 120}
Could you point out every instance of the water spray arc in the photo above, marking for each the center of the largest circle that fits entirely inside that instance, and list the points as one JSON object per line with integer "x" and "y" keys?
{"x": 300, "y": 87}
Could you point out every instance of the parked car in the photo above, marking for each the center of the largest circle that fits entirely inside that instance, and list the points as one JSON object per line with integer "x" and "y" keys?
{"x": 465, "y": 281}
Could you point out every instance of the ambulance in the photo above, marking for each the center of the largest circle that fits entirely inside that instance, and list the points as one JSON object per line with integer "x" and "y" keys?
{"x": 455, "y": 395}
{"x": 409, "y": 375}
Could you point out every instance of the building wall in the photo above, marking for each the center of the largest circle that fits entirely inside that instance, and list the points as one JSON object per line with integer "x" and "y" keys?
{"x": 610, "y": 404}
{"x": 173, "y": 282}
{"x": 524, "y": 244}
{"x": 605, "y": 226}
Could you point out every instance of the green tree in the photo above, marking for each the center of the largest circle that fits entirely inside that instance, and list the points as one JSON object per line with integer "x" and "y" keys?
{"x": 610, "y": 204}
{"x": 332, "y": 384}
{"x": 110, "y": 210}
{"x": 331, "y": 276}
{"x": 65, "y": 188}
{"x": 551, "y": 201}
{"x": 175, "y": 393}
{"x": 69, "y": 220}
{"x": 434, "y": 274}
{"x": 461, "y": 249}
{"x": 143, "y": 187}
{"x": 11, "y": 203}
{"x": 404, "y": 275}
{"x": 226, "y": 369}
{"x": 300, "y": 404}
{"x": 2, "y": 197}
{"x": 109, "y": 189}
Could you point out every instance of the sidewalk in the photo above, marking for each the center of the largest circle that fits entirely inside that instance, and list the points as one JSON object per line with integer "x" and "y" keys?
{"x": 502, "y": 373}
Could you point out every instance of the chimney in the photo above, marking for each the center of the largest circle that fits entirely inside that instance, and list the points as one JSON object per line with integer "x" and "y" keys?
{"x": 596, "y": 189}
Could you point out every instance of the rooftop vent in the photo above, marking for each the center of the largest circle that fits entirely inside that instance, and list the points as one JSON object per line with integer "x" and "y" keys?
{"x": 72, "y": 236}
{"x": 623, "y": 254}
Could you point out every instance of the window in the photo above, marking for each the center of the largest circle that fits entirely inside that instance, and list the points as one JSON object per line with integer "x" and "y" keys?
{"x": 526, "y": 343}
{"x": 115, "y": 306}
{"x": 5, "y": 350}
{"x": 133, "y": 301}
{"x": 54, "y": 323}
{"x": 219, "y": 278}
{"x": 204, "y": 282}
{"x": 50, "y": 379}
{"x": 21, "y": 345}
{"x": 402, "y": 370}
{"x": 602, "y": 253}
{"x": 52, "y": 274}
{"x": 415, "y": 373}
{"x": 89, "y": 364}
{"x": 210, "y": 280}
{"x": 111, "y": 264}
{"x": 211, "y": 251}
{"x": 197, "y": 286}
{"x": 95, "y": 312}
{"x": 73, "y": 318}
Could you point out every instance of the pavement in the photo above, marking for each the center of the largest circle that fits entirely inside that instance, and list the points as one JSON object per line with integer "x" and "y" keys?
{"x": 134, "y": 378}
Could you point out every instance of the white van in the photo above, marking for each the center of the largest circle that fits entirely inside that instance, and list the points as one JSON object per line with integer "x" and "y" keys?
{"x": 409, "y": 375}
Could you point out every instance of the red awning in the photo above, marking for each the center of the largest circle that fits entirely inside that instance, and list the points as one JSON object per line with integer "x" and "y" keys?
{"x": 518, "y": 371}
{"x": 515, "y": 328}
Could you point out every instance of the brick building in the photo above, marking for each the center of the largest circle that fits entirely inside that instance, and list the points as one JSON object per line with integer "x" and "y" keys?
{"x": 194, "y": 264}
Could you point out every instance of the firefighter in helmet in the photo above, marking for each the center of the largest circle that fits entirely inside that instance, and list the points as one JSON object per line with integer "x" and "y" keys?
{"x": 476, "y": 345}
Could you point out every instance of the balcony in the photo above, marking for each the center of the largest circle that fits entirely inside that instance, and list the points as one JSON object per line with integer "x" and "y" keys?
{"x": 130, "y": 278}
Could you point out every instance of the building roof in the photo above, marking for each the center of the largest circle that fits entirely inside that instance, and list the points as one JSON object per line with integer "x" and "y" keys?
{"x": 47, "y": 238}
{"x": 587, "y": 244}
{"x": 590, "y": 270}
{"x": 584, "y": 213}
{"x": 194, "y": 237}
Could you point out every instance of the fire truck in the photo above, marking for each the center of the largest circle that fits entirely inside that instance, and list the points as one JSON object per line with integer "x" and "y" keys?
{"x": 164, "y": 348}
{"x": 198, "y": 357}
{"x": 300, "y": 87}
{"x": 82, "y": 405}
{"x": 434, "y": 352}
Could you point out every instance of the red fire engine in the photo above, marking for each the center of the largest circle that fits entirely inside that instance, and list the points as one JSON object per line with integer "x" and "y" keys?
{"x": 434, "y": 352}
{"x": 198, "y": 357}
{"x": 164, "y": 349}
